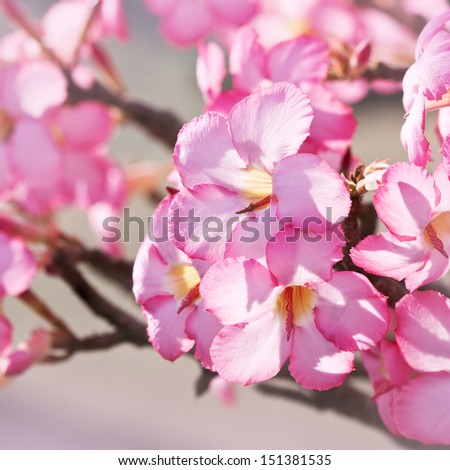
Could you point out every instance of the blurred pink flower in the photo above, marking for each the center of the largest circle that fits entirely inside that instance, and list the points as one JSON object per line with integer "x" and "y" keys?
{"x": 16, "y": 361}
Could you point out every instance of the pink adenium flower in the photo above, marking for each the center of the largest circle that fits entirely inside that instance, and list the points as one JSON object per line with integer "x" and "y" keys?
{"x": 240, "y": 164}
{"x": 426, "y": 86}
{"x": 15, "y": 362}
{"x": 415, "y": 207}
{"x": 412, "y": 377}
{"x": 186, "y": 22}
{"x": 166, "y": 283}
{"x": 303, "y": 61}
{"x": 296, "y": 308}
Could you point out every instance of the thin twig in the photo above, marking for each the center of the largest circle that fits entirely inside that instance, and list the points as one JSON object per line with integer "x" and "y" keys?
{"x": 63, "y": 265}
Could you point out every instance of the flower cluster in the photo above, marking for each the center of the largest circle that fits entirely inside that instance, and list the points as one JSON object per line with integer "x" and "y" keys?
{"x": 249, "y": 306}
{"x": 256, "y": 258}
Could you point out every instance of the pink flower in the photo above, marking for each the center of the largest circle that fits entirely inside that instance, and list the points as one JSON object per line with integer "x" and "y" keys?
{"x": 240, "y": 164}
{"x": 15, "y": 362}
{"x": 165, "y": 283}
{"x": 296, "y": 308}
{"x": 415, "y": 207}
{"x": 426, "y": 86}
{"x": 303, "y": 61}
{"x": 27, "y": 148}
{"x": 412, "y": 378}
{"x": 17, "y": 266}
{"x": 186, "y": 22}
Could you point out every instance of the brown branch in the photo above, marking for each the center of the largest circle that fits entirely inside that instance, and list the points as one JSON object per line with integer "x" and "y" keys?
{"x": 63, "y": 266}
{"x": 118, "y": 270}
{"x": 384, "y": 72}
{"x": 43, "y": 310}
{"x": 161, "y": 124}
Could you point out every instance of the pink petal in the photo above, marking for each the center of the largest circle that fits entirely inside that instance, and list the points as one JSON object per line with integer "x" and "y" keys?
{"x": 406, "y": 199}
{"x": 211, "y": 211}
{"x": 304, "y": 58}
{"x": 202, "y": 327}
{"x": 251, "y": 352}
{"x": 166, "y": 327}
{"x": 204, "y": 153}
{"x": 443, "y": 124}
{"x": 384, "y": 403}
{"x": 224, "y": 390}
{"x": 412, "y": 134}
{"x": 333, "y": 125}
{"x": 386, "y": 255}
{"x": 17, "y": 266}
{"x": 315, "y": 362}
{"x": 34, "y": 154}
{"x": 113, "y": 19}
{"x": 350, "y": 312}
{"x": 386, "y": 367}
{"x": 251, "y": 235}
{"x": 27, "y": 353}
{"x": 159, "y": 234}
{"x": 210, "y": 70}
{"x": 63, "y": 26}
{"x": 5, "y": 334}
{"x": 421, "y": 409}
{"x": 148, "y": 271}
{"x": 238, "y": 290}
{"x": 6, "y": 172}
{"x": 247, "y": 60}
{"x": 187, "y": 22}
{"x": 40, "y": 85}
{"x": 225, "y": 101}
{"x": 321, "y": 199}
{"x": 160, "y": 7}
{"x": 423, "y": 330}
{"x": 236, "y": 12}
{"x": 270, "y": 124}
{"x": 435, "y": 81}
{"x": 85, "y": 125}
{"x": 436, "y": 266}
{"x": 299, "y": 258}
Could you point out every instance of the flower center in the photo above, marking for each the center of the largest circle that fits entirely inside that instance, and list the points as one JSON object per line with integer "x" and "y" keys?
{"x": 437, "y": 232}
{"x": 6, "y": 125}
{"x": 295, "y": 305}
{"x": 258, "y": 184}
{"x": 181, "y": 279}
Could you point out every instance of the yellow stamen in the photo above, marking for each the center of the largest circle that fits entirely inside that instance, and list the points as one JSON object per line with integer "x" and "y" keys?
{"x": 437, "y": 231}
{"x": 258, "y": 184}
{"x": 181, "y": 279}
{"x": 295, "y": 304}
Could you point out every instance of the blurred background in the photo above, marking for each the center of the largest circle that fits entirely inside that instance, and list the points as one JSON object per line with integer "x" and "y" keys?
{"x": 130, "y": 398}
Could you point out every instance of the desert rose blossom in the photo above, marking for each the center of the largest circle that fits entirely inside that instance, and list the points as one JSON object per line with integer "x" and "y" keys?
{"x": 303, "y": 61}
{"x": 349, "y": 30}
{"x": 165, "y": 284}
{"x": 411, "y": 377}
{"x": 187, "y": 22}
{"x": 297, "y": 308}
{"x": 238, "y": 165}
{"x": 426, "y": 87}
{"x": 16, "y": 361}
{"x": 415, "y": 207}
